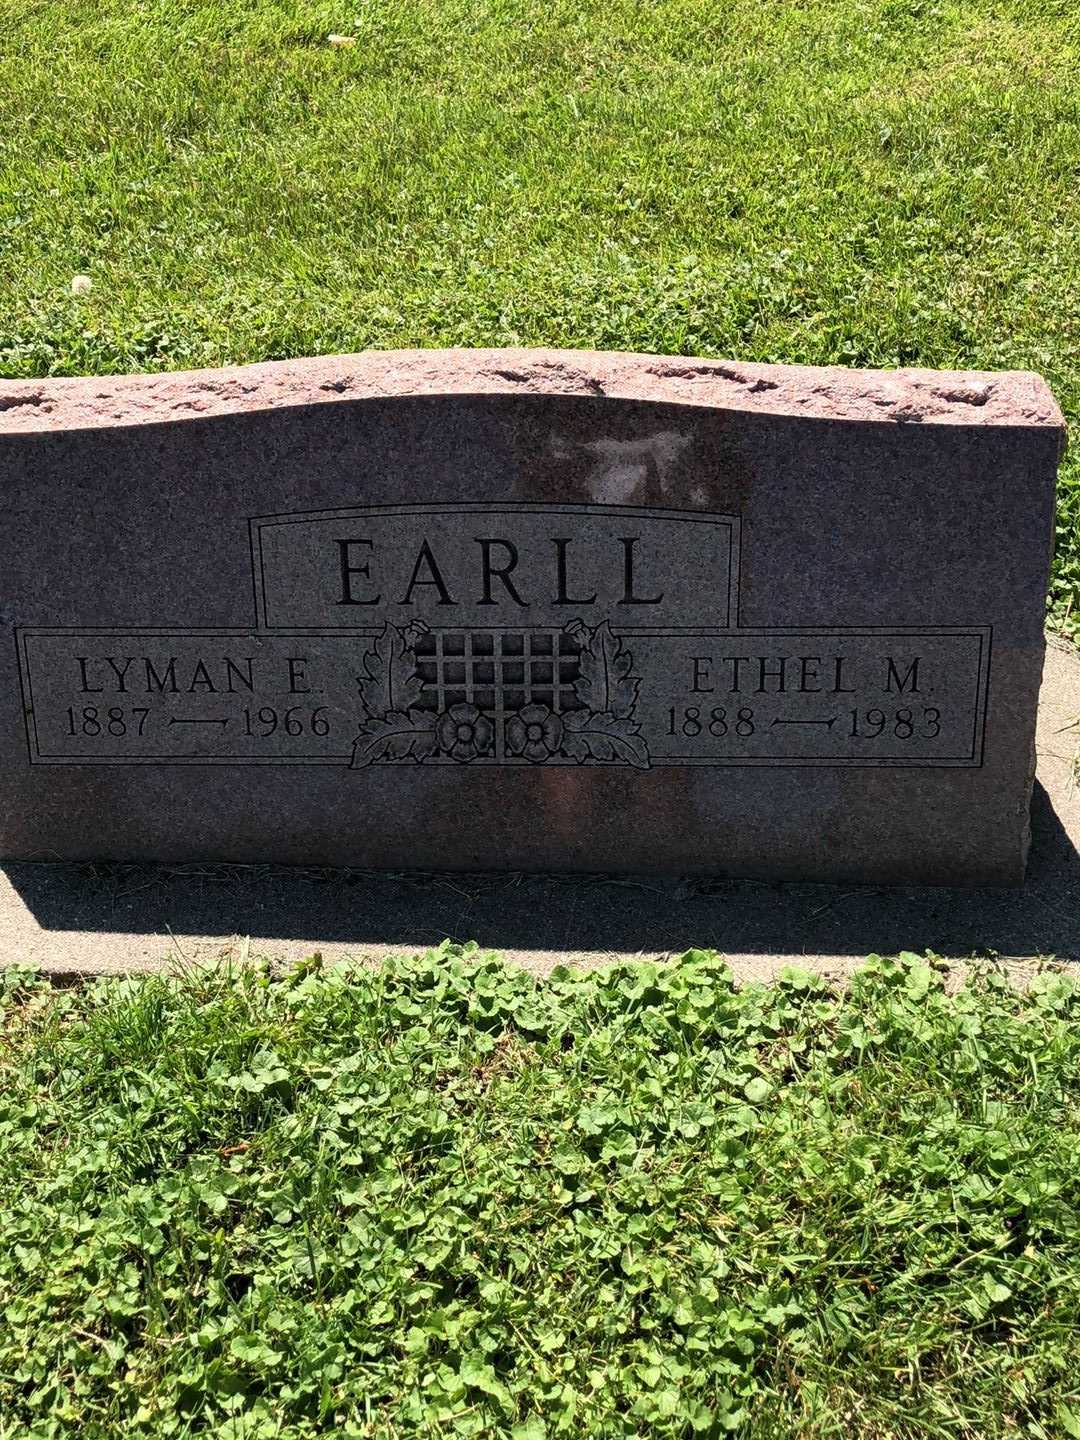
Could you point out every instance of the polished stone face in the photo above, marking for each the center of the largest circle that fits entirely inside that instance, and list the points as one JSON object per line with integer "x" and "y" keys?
{"x": 527, "y": 610}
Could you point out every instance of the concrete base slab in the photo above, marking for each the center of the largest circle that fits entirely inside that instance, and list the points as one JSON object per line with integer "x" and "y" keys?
{"x": 83, "y": 919}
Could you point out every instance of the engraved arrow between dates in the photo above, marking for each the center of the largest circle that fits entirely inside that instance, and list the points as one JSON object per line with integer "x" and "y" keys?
{"x": 827, "y": 723}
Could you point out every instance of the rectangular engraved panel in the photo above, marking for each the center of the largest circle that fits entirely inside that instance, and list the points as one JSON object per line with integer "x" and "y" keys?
{"x": 507, "y": 695}
{"x": 477, "y": 564}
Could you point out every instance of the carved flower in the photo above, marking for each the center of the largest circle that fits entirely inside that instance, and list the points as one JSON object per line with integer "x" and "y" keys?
{"x": 463, "y": 733}
{"x": 534, "y": 732}
{"x": 414, "y": 631}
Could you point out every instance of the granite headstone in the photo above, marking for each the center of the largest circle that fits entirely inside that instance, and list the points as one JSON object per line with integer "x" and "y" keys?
{"x": 526, "y": 609}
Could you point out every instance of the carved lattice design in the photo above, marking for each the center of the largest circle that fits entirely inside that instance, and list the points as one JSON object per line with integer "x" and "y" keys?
{"x": 539, "y": 696}
{"x": 498, "y": 670}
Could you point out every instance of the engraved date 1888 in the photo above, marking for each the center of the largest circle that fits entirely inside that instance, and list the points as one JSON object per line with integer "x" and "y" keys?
{"x": 905, "y": 723}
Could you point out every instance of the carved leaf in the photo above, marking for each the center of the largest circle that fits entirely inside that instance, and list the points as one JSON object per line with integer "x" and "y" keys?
{"x": 608, "y": 738}
{"x": 408, "y": 686}
{"x": 397, "y": 735}
{"x": 390, "y": 681}
{"x": 605, "y": 684}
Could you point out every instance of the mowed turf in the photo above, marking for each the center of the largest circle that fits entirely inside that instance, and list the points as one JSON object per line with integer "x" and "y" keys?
{"x": 864, "y": 182}
{"x": 443, "y": 1198}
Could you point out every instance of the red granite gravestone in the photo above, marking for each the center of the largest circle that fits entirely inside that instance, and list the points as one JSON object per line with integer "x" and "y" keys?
{"x": 527, "y": 609}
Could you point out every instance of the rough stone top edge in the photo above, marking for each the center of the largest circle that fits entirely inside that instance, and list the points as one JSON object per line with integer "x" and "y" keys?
{"x": 942, "y": 397}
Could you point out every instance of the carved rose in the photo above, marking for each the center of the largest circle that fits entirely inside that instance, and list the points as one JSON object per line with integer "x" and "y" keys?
{"x": 414, "y": 631}
{"x": 463, "y": 732}
{"x": 534, "y": 732}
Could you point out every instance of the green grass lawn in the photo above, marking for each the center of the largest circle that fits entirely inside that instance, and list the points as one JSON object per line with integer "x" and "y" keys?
{"x": 442, "y": 1198}
{"x": 864, "y": 182}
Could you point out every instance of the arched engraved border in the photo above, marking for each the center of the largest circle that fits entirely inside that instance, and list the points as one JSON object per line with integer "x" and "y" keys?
{"x": 257, "y": 523}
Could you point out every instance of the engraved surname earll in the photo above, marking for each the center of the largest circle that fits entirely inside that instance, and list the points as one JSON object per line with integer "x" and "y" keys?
{"x": 488, "y": 564}
{"x": 490, "y": 580}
